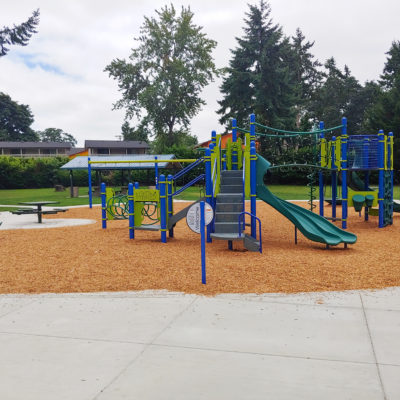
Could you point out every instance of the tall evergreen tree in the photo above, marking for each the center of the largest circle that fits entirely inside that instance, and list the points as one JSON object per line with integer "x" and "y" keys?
{"x": 258, "y": 78}
{"x": 391, "y": 71}
{"x": 385, "y": 113}
{"x": 129, "y": 133}
{"x": 341, "y": 95}
{"x": 307, "y": 75}
{"x": 19, "y": 34}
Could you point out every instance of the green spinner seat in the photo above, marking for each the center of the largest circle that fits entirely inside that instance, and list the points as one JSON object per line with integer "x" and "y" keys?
{"x": 358, "y": 202}
{"x": 369, "y": 199}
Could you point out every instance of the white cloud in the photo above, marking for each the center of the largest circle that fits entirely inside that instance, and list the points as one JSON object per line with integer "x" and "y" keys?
{"x": 79, "y": 38}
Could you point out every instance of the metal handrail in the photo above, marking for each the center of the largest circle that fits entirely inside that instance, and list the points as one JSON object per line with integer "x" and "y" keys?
{"x": 192, "y": 182}
{"x": 259, "y": 225}
{"x": 214, "y": 176}
{"x": 188, "y": 168}
{"x": 244, "y": 183}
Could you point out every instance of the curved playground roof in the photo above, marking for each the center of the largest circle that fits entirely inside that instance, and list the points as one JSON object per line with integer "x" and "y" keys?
{"x": 81, "y": 162}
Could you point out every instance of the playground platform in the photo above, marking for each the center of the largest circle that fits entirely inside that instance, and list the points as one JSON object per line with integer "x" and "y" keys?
{"x": 165, "y": 345}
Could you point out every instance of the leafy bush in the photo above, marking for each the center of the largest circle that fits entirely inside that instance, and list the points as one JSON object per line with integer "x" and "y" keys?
{"x": 29, "y": 173}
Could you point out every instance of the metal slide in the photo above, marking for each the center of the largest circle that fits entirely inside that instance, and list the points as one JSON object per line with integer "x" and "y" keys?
{"x": 312, "y": 226}
{"x": 172, "y": 221}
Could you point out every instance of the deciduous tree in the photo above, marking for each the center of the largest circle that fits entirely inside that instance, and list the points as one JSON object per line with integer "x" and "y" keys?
{"x": 15, "y": 121}
{"x": 165, "y": 74}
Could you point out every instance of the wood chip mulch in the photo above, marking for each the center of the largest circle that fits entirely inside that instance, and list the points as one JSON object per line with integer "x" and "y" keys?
{"x": 89, "y": 259}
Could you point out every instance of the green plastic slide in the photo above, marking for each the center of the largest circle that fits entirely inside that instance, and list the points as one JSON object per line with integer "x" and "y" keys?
{"x": 312, "y": 226}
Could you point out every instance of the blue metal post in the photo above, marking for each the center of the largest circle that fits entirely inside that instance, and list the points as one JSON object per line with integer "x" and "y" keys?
{"x": 252, "y": 128}
{"x": 333, "y": 178}
{"x": 365, "y": 166}
{"x": 224, "y": 162}
{"x": 344, "y": 172}
{"x": 321, "y": 177}
{"x": 381, "y": 167}
{"x": 163, "y": 211}
{"x": 390, "y": 161}
{"x": 234, "y": 141}
{"x": 170, "y": 202}
{"x": 214, "y": 138}
{"x": 156, "y": 171}
{"x": 103, "y": 206}
{"x": 203, "y": 244}
{"x": 207, "y": 161}
{"x": 253, "y": 187}
{"x": 131, "y": 212}
{"x": 90, "y": 182}
{"x": 136, "y": 185}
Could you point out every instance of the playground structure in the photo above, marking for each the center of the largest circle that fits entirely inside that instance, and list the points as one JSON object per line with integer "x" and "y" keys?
{"x": 147, "y": 208}
{"x": 350, "y": 155}
{"x": 236, "y": 172}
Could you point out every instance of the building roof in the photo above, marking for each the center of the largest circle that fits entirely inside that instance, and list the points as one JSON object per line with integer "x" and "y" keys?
{"x": 35, "y": 145}
{"x": 75, "y": 150}
{"x": 81, "y": 162}
{"x": 116, "y": 144}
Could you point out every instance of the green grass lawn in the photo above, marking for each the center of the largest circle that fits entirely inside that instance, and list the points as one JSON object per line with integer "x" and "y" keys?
{"x": 14, "y": 196}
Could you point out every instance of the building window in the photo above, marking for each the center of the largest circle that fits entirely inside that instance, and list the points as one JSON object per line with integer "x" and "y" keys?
{"x": 102, "y": 151}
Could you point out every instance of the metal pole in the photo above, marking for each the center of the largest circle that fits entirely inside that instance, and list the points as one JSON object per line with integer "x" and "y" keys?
{"x": 131, "y": 212}
{"x": 90, "y": 182}
{"x": 103, "y": 206}
{"x": 381, "y": 166}
{"x": 333, "y": 178}
{"x": 203, "y": 244}
{"x": 321, "y": 177}
{"x": 344, "y": 172}
{"x": 252, "y": 128}
{"x": 234, "y": 144}
{"x": 156, "y": 171}
{"x": 390, "y": 167}
{"x": 71, "y": 183}
{"x": 207, "y": 160}
{"x": 170, "y": 203}
{"x": 365, "y": 165}
{"x": 163, "y": 211}
{"x": 253, "y": 187}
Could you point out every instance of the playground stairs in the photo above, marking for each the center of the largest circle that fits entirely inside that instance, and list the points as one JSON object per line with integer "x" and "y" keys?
{"x": 229, "y": 205}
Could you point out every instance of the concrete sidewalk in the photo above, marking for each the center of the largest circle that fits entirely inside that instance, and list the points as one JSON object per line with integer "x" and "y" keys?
{"x": 162, "y": 345}
{"x": 30, "y": 221}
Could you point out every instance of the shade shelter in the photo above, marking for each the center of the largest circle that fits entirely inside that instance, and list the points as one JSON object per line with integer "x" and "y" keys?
{"x": 122, "y": 163}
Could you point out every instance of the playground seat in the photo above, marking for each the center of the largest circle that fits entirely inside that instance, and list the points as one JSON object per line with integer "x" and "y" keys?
{"x": 358, "y": 202}
{"x": 369, "y": 199}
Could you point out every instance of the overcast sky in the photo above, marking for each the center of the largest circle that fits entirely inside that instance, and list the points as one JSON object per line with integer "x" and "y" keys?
{"x": 60, "y": 73}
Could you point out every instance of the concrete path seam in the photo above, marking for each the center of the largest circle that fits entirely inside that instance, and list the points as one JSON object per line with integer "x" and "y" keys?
{"x": 86, "y": 339}
{"x": 146, "y": 346}
{"x": 373, "y": 349}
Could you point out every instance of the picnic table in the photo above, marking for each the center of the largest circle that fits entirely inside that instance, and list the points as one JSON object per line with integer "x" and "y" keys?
{"x": 38, "y": 209}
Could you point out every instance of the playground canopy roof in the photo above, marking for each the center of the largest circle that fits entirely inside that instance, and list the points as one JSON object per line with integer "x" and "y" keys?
{"x": 82, "y": 162}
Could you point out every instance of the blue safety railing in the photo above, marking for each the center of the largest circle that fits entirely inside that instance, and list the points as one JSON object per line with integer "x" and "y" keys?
{"x": 192, "y": 182}
{"x": 187, "y": 169}
{"x": 242, "y": 216}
